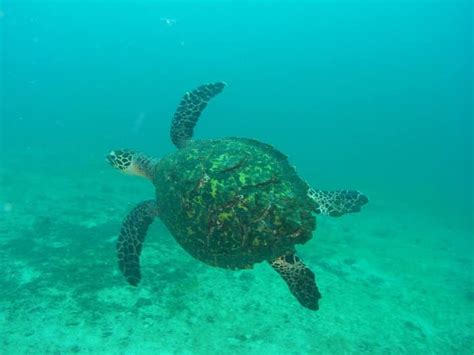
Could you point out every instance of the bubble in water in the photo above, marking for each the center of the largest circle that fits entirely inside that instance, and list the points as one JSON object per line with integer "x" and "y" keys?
{"x": 168, "y": 21}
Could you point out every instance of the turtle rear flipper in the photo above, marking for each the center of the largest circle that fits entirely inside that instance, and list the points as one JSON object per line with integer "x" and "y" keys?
{"x": 299, "y": 278}
{"x": 189, "y": 110}
{"x": 132, "y": 236}
{"x": 337, "y": 203}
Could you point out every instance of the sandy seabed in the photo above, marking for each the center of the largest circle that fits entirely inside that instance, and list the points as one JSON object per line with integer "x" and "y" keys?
{"x": 393, "y": 280}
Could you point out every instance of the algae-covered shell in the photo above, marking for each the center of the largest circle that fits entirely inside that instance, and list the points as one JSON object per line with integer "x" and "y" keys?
{"x": 233, "y": 202}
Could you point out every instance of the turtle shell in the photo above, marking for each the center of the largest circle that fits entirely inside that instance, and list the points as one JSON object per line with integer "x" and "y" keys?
{"x": 233, "y": 202}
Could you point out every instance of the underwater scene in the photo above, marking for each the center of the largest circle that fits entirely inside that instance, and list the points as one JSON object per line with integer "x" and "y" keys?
{"x": 236, "y": 177}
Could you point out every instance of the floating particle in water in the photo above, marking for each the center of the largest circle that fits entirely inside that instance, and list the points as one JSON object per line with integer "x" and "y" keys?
{"x": 168, "y": 21}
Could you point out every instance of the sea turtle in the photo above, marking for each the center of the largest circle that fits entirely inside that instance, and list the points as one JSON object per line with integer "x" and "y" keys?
{"x": 229, "y": 202}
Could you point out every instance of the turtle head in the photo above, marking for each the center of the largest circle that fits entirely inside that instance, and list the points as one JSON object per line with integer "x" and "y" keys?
{"x": 131, "y": 162}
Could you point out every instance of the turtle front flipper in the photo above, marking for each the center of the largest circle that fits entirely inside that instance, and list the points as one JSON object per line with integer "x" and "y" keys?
{"x": 337, "y": 203}
{"x": 299, "y": 278}
{"x": 132, "y": 236}
{"x": 189, "y": 110}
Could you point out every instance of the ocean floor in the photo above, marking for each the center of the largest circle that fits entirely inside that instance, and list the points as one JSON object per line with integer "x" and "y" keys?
{"x": 393, "y": 280}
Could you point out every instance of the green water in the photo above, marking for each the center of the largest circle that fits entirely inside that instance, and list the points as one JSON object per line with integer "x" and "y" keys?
{"x": 368, "y": 95}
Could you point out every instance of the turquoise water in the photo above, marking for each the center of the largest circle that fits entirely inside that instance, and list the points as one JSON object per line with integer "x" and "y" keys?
{"x": 367, "y": 95}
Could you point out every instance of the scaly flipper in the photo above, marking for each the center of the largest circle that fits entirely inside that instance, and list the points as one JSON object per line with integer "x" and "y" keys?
{"x": 189, "y": 110}
{"x": 300, "y": 280}
{"x": 132, "y": 235}
{"x": 337, "y": 203}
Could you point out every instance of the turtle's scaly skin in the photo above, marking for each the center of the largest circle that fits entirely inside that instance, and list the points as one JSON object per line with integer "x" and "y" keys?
{"x": 189, "y": 110}
{"x": 233, "y": 202}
